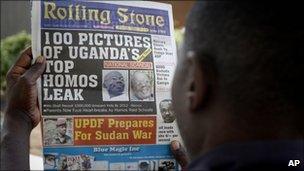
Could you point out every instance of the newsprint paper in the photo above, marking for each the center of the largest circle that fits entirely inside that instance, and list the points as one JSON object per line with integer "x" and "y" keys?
{"x": 105, "y": 94}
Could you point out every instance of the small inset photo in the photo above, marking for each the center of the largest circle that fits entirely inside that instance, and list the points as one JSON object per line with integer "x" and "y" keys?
{"x": 115, "y": 85}
{"x": 167, "y": 164}
{"x": 166, "y": 110}
{"x": 50, "y": 161}
{"x": 58, "y": 131}
{"x": 142, "y": 85}
{"x": 62, "y": 162}
{"x": 117, "y": 166}
{"x": 131, "y": 166}
{"x": 147, "y": 165}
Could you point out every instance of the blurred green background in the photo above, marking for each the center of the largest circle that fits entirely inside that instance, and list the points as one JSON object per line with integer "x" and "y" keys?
{"x": 10, "y": 50}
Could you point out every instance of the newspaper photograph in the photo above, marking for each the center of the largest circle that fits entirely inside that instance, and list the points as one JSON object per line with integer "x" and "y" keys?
{"x": 105, "y": 95}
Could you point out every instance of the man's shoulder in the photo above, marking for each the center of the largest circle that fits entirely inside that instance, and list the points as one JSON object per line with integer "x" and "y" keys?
{"x": 67, "y": 138}
{"x": 257, "y": 155}
{"x": 56, "y": 138}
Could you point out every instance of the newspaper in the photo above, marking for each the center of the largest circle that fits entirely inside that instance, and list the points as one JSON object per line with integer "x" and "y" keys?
{"x": 105, "y": 94}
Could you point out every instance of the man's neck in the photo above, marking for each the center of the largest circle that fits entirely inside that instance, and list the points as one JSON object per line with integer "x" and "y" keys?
{"x": 232, "y": 130}
{"x": 253, "y": 155}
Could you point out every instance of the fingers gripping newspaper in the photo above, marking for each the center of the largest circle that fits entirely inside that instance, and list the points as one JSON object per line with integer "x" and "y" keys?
{"x": 105, "y": 94}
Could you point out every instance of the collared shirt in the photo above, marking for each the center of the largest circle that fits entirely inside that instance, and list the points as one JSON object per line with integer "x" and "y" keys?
{"x": 134, "y": 98}
{"x": 122, "y": 97}
{"x": 253, "y": 156}
{"x": 62, "y": 140}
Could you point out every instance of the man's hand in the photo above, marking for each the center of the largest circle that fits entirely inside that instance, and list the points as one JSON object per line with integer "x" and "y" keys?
{"x": 179, "y": 154}
{"x": 22, "y": 89}
{"x": 22, "y": 113}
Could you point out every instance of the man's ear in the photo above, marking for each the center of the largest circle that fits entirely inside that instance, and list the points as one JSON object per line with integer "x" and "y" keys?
{"x": 196, "y": 83}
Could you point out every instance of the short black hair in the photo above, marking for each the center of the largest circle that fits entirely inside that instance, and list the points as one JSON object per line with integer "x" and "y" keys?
{"x": 255, "y": 49}
{"x": 165, "y": 100}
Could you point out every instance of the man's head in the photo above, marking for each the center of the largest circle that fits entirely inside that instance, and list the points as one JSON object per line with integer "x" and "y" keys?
{"x": 114, "y": 83}
{"x": 141, "y": 85}
{"x": 239, "y": 74}
{"x": 166, "y": 110}
{"x": 61, "y": 125}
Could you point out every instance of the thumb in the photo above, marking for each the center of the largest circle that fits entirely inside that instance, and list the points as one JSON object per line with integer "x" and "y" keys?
{"x": 36, "y": 69}
{"x": 179, "y": 154}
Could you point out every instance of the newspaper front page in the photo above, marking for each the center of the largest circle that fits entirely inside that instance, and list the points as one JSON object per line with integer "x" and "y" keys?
{"x": 105, "y": 94}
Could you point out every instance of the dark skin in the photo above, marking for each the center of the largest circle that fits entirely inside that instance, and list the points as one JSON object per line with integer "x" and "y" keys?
{"x": 208, "y": 113}
{"x": 179, "y": 154}
{"x": 22, "y": 113}
{"x": 211, "y": 118}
